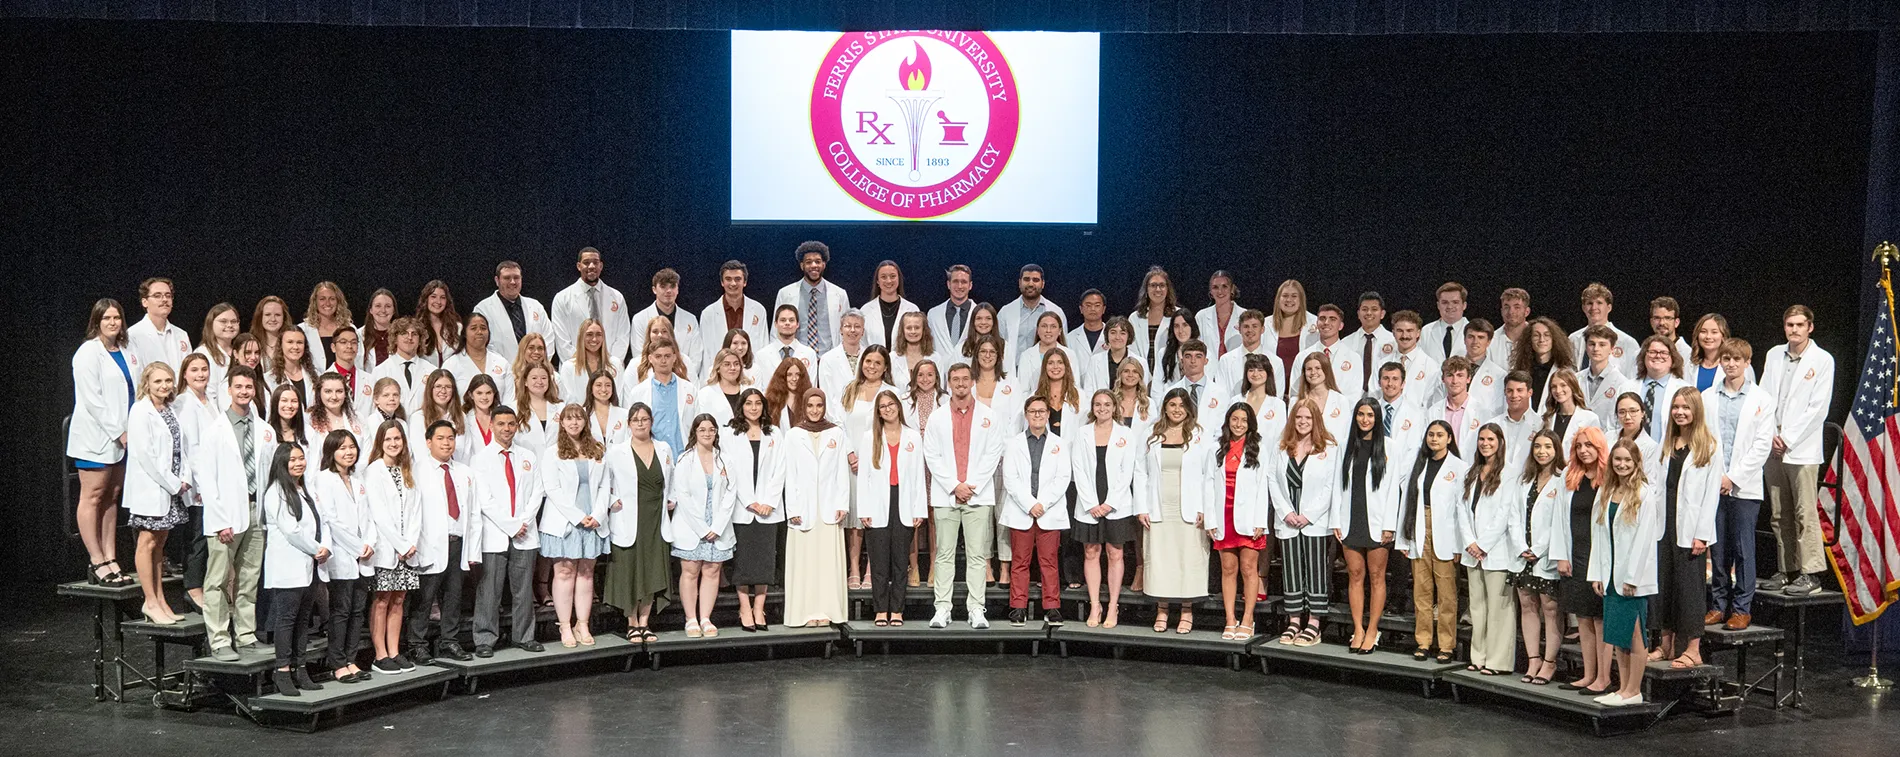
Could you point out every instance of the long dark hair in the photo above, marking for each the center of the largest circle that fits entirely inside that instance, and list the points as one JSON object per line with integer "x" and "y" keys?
{"x": 287, "y": 430}
{"x": 280, "y": 478}
{"x": 1487, "y": 471}
{"x": 1189, "y": 425}
{"x": 1171, "y": 357}
{"x": 1419, "y": 464}
{"x": 1251, "y": 447}
{"x": 1357, "y": 447}
{"x": 739, "y": 424}
{"x": 1257, "y": 361}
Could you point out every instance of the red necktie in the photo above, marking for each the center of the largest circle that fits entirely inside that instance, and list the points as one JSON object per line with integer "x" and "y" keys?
{"x": 448, "y": 485}
{"x": 508, "y": 465}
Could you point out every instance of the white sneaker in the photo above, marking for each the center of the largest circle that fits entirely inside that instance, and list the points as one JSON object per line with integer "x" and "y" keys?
{"x": 977, "y": 620}
{"x": 941, "y": 619}
{"x": 1613, "y": 699}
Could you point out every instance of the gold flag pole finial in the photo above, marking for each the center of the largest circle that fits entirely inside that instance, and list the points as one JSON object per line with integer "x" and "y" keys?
{"x": 1885, "y": 254}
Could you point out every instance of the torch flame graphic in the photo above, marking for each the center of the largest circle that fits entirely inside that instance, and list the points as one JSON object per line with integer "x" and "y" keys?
{"x": 914, "y": 73}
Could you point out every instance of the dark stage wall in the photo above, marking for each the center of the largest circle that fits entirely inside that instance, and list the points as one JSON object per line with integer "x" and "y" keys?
{"x": 1728, "y": 170}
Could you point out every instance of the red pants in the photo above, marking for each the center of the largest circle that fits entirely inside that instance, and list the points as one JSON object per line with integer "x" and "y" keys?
{"x": 1044, "y": 544}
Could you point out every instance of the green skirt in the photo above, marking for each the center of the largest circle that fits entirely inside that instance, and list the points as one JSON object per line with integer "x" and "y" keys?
{"x": 641, "y": 572}
{"x": 1623, "y": 618}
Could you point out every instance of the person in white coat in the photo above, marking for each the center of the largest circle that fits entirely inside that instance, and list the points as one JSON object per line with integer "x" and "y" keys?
{"x": 449, "y": 544}
{"x": 1542, "y": 354}
{"x": 509, "y": 479}
{"x": 820, "y": 304}
{"x": 855, "y": 408}
{"x": 221, "y": 329}
{"x": 1302, "y": 471}
{"x": 1601, "y": 379}
{"x": 1036, "y": 473}
{"x": 1487, "y": 378}
{"x": 479, "y": 358}
{"x": 686, "y": 329}
{"x": 670, "y": 395}
{"x": 786, "y": 344}
{"x": 733, "y": 310}
{"x": 194, "y": 407}
{"x": 815, "y": 471}
{"x": 396, "y": 507}
{"x": 1086, "y": 337}
{"x": 1365, "y": 514}
{"x": 155, "y": 339}
{"x": 1049, "y": 337}
{"x": 1661, "y": 377}
{"x": 1445, "y": 337}
{"x": 1456, "y": 406}
{"x": 1703, "y": 367}
{"x": 892, "y": 502}
{"x": 103, "y": 393}
{"x": 912, "y": 347}
{"x": 1401, "y": 420}
{"x": 1422, "y": 371}
{"x": 1371, "y": 343}
{"x": 326, "y": 316}
{"x": 1233, "y": 365}
{"x": 719, "y": 397}
{"x": 1800, "y": 376}
{"x": 298, "y": 546}
{"x": 1491, "y": 528}
{"x": 1625, "y": 527}
{"x": 883, "y": 311}
{"x": 1744, "y": 419}
{"x": 1016, "y": 321}
{"x": 342, "y": 500}
{"x": 587, "y": 299}
{"x": 1117, "y": 336}
{"x": 639, "y": 573}
{"x": 1597, "y": 304}
{"x": 1153, "y": 318}
{"x": 1516, "y": 419}
{"x": 1428, "y": 535}
{"x": 1106, "y": 470}
{"x": 606, "y": 416}
{"x": 1692, "y": 490}
{"x": 358, "y": 383}
{"x": 408, "y": 369}
{"x": 950, "y": 319}
{"x": 755, "y": 458}
{"x": 1292, "y": 326}
{"x": 1320, "y": 385}
{"x": 1546, "y": 556}
{"x": 1176, "y": 457}
{"x": 511, "y": 315}
{"x": 1220, "y": 321}
{"x": 157, "y": 482}
{"x": 837, "y": 367}
{"x": 578, "y": 370}
{"x": 334, "y": 412}
{"x": 1256, "y": 388}
{"x": 1565, "y": 413}
{"x": 963, "y": 446}
{"x": 230, "y": 469}
{"x": 700, "y": 529}
{"x": 574, "y": 523}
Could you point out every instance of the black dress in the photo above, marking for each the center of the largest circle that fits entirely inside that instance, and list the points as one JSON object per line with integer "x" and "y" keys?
{"x": 755, "y": 560}
{"x": 1104, "y": 530}
{"x": 1527, "y": 578}
{"x": 1359, "y": 535}
{"x": 1574, "y": 594}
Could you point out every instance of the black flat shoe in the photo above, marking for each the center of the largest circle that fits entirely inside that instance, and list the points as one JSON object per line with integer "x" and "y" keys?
{"x": 748, "y": 629}
{"x": 1568, "y": 687}
{"x": 1592, "y": 692}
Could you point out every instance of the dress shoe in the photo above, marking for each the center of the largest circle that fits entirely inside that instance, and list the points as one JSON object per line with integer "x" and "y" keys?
{"x": 1738, "y": 622}
{"x": 419, "y": 656}
{"x": 454, "y": 652}
{"x": 1713, "y": 617}
{"x": 1052, "y": 617}
{"x": 284, "y": 683}
{"x": 1018, "y": 617}
{"x": 531, "y": 646}
{"x": 484, "y": 651}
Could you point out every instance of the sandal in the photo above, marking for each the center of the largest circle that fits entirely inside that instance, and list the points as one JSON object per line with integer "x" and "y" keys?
{"x": 1243, "y": 633}
{"x": 1419, "y": 654}
{"x": 1111, "y": 620}
{"x": 647, "y": 635}
{"x": 1309, "y": 636}
{"x": 692, "y": 630}
{"x": 1186, "y": 625}
{"x": 1292, "y": 632}
{"x": 1161, "y": 622}
{"x": 1227, "y": 632}
{"x": 1443, "y": 657}
{"x": 707, "y": 629}
{"x": 881, "y": 622}
{"x": 1685, "y": 662}
{"x": 1530, "y": 669}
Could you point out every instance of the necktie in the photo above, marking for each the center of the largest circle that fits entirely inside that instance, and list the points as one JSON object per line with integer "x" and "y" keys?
{"x": 508, "y": 466}
{"x": 784, "y": 353}
{"x": 1388, "y": 419}
{"x": 1649, "y": 403}
{"x": 593, "y": 303}
{"x": 1447, "y": 341}
{"x": 1194, "y": 390}
{"x": 811, "y": 319}
{"x": 247, "y": 447}
{"x": 1365, "y": 366}
{"x": 408, "y": 379}
{"x": 956, "y": 322}
{"x": 448, "y": 487}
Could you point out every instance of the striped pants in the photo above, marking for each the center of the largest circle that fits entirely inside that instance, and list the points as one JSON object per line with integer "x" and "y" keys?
{"x": 1306, "y": 573}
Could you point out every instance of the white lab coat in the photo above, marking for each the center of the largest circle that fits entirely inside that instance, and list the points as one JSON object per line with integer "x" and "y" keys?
{"x": 1232, "y": 369}
{"x": 1078, "y": 340}
{"x": 1384, "y": 349}
{"x": 836, "y": 302}
{"x": 1124, "y": 470}
{"x": 1051, "y": 481}
{"x": 498, "y": 369}
{"x": 713, "y": 325}
{"x": 697, "y": 512}
{"x": 153, "y": 346}
{"x": 1447, "y": 498}
{"x": 433, "y": 547}
{"x": 564, "y": 508}
{"x": 503, "y": 516}
{"x": 1214, "y": 396}
{"x": 1466, "y": 433}
{"x": 291, "y": 543}
{"x": 1487, "y": 388}
{"x": 686, "y": 334}
{"x": 1336, "y": 415}
{"x": 1200, "y": 460}
{"x": 1754, "y": 437}
{"x": 1163, "y": 337}
{"x": 685, "y": 404}
{"x": 1432, "y": 338}
{"x": 1319, "y": 486}
{"x": 874, "y": 480}
{"x": 1494, "y": 522}
{"x": 836, "y": 370}
{"x": 767, "y": 355}
{"x": 1029, "y": 367}
{"x": 1215, "y": 335}
{"x": 1801, "y": 410}
{"x": 101, "y": 403}
{"x": 348, "y": 524}
{"x": 1010, "y": 321}
{"x": 218, "y": 474}
{"x": 149, "y": 481}
{"x": 1517, "y": 435}
{"x": 711, "y": 400}
{"x": 1407, "y": 430}
{"x": 900, "y": 370}
{"x": 1697, "y": 495}
{"x": 1101, "y": 375}
{"x": 1611, "y": 384}
{"x": 615, "y": 432}
{"x": 1269, "y": 417}
{"x": 816, "y": 472}
{"x": 766, "y": 488}
{"x": 1345, "y": 362}
{"x": 1549, "y": 537}
{"x": 1382, "y": 495}
{"x": 501, "y": 329}
{"x": 1623, "y": 552}
{"x": 1424, "y": 376}
{"x": 362, "y": 400}
{"x": 1666, "y": 390}
{"x": 1625, "y": 356}
{"x": 419, "y": 368}
{"x": 571, "y": 308}
{"x": 1582, "y": 419}
{"x": 939, "y": 321}
{"x": 397, "y": 512}
{"x": 623, "y": 519}
{"x": 874, "y": 320}
{"x": 987, "y": 432}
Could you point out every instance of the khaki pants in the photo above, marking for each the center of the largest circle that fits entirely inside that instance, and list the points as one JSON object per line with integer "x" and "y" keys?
{"x": 242, "y": 560}
{"x": 977, "y": 526}
{"x": 1793, "y": 516}
{"x": 1435, "y": 596}
{"x": 1493, "y": 620}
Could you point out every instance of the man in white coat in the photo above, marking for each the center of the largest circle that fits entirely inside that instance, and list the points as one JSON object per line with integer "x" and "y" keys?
{"x": 1800, "y": 376}
{"x": 963, "y": 445}
{"x": 1446, "y": 336}
{"x": 733, "y": 310}
{"x": 1016, "y": 321}
{"x": 1601, "y": 380}
{"x": 1086, "y": 338}
{"x": 1328, "y": 322}
{"x": 408, "y": 369}
{"x": 451, "y": 542}
{"x": 1742, "y": 414}
{"x": 1661, "y": 377}
{"x": 1402, "y": 419}
{"x": 1371, "y": 343}
{"x": 785, "y": 345}
{"x": 820, "y": 304}
{"x": 590, "y": 298}
{"x": 1420, "y": 368}
{"x": 508, "y": 480}
{"x": 1597, "y": 304}
{"x": 1231, "y": 371}
{"x": 1458, "y": 407}
{"x": 838, "y": 367}
{"x": 1487, "y": 380}
{"x": 686, "y": 333}
{"x": 1209, "y": 396}
{"x": 670, "y": 397}
{"x": 511, "y": 315}
{"x": 1517, "y": 420}
{"x": 950, "y": 319}
{"x": 155, "y": 339}
{"x": 231, "y": 467}
{"x": 1665, "y": 319}
{"x": 1514, "y": 309}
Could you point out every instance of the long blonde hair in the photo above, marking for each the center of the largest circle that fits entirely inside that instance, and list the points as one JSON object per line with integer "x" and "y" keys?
{"x": 343, "y": 320}
{"x": 1701, "y": 441}
{"x": 1142, "y": 399}
{"x": 583, "y": 445}
{"x": 1626, "y": 492}
{"x": 1298, "y": 316}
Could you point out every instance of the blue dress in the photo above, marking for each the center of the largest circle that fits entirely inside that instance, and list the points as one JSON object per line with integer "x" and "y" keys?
{"x": 704, "y": 551}
{"x": 579, "y": 543}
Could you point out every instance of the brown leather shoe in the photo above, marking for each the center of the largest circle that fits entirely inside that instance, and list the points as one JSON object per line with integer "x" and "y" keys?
{"x": 1738, "y": 621}
{"x": 1713, "y": 617}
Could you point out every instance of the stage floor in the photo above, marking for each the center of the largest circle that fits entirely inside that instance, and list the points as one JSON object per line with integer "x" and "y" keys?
{"x": 970, "y": 703}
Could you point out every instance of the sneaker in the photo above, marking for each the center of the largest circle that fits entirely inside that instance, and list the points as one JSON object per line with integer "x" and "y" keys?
{"x": 1052, "y": 617}
{"x": 406, "y": 663}
{"x": 1775, "y": 583}
{"x": 941, "y": 619}
{"x": 1802, "y": 585}
{"x": 388, "y": 666}
{"x": 225, "y": 654}
{"x": 977, "y": 620}
{"x": 1018, "y": 617}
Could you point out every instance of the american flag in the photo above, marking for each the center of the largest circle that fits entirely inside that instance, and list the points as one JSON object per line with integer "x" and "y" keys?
{"x": 1866, "y": 546}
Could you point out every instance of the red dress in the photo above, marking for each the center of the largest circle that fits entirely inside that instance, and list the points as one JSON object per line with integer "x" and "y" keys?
{"x": 1236, "y": 454}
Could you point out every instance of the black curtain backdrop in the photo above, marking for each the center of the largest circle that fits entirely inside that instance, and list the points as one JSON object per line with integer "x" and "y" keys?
{"x": 1727, "y": 170}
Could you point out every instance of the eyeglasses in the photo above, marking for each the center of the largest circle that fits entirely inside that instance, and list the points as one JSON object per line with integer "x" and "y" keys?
{"x": 1630, "y": 411}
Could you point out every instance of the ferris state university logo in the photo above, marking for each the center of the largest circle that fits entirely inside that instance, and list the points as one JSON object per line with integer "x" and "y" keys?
{"x": 914, "y": 124}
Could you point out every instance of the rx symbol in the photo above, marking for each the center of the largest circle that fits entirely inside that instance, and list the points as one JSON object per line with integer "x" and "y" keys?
{"x": 868, "y": 118}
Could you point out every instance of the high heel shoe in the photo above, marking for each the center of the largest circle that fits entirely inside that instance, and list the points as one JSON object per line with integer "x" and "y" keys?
{"x": 169, "y": 620}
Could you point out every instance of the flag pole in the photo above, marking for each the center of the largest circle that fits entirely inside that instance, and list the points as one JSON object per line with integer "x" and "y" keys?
{"x": 1884, "y": 253}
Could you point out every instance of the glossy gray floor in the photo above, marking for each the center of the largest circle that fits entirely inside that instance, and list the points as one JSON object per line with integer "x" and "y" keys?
{"x": 961, "y": 704}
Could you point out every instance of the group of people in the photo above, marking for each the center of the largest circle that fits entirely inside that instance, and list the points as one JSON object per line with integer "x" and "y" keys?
{"x": 820, "y": 447}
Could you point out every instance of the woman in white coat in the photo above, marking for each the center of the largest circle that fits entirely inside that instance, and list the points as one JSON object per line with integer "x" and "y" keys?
{"x": 537, "y": 403}
{"x": 1107, "y": 470}
{"x": 884, "y": 312}
{"x": 476, "y": 358}
{"x": 1564, "y": 411}
{"x": 296, "y": 545}
{"x": 719, "y": 397}
{"x": 1153, "y": 319}
{"x": 755, "y": 458}
{"x": 1035, "y": 483}
{"x": 1170, "y": 503}
{"x": 221, "y": 327}
{"x": 1316, "y": 384}
{"x": 574, "y": 523}
{"x": 892, "y": 501}
{"x": 1029, "y": 362}
{"x": 1491, "y": 528}
{"x": 911, "y": 347}
{"x": 395, "y": 504}
{"x": 96, "y": 436}
{"x": 638, "y": 575}
{"x": 815, "y": 471}
{"x": 1302, "y": 470}
{"x": 157, "y": 482}
{"x": 193, "y": 409}
{"x": 1692, "y": 488}
{"x": 1546, "y": 556}
{"x": 701, "y": 527}
{"x": 1238, "y": 511}
{"x": 1101, "y": 367}
{"x": 343, "y": 500}
{"x": 1365, "y": 516}
{"x": 606, "y": 419}
{"x": 1624, "y": 533}
{"x": 326, "y": 315}
{"x": 854, "y": 406}
{"x": 1428, "y": 534}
